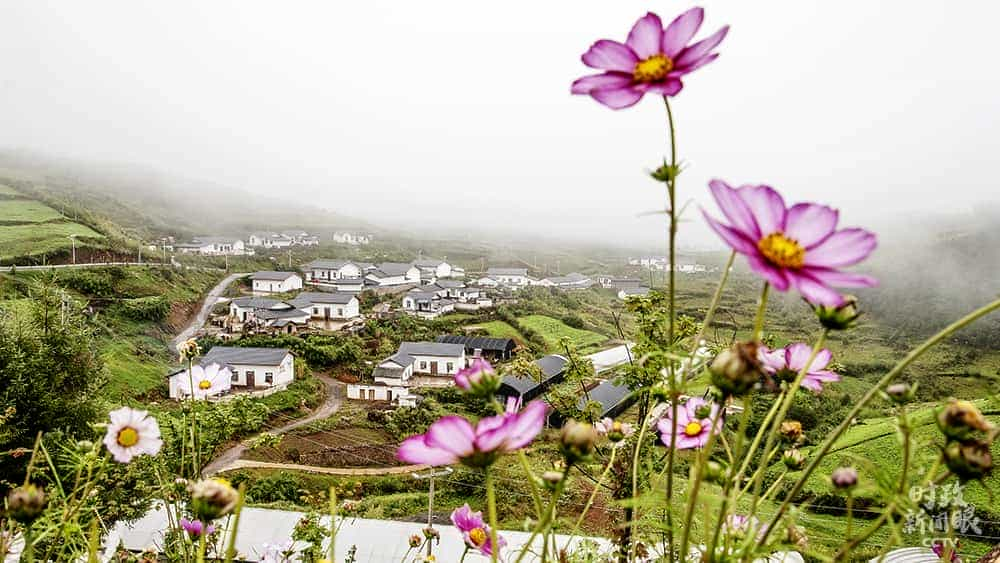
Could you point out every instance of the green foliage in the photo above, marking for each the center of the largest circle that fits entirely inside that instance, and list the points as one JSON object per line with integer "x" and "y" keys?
{"x": 51, "y": 373}
{"x": 144, "y": 308}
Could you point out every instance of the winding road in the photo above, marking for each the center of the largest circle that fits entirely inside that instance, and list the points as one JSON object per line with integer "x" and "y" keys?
{"x": 230, "y": 458}
{"x": 211, "y": 300}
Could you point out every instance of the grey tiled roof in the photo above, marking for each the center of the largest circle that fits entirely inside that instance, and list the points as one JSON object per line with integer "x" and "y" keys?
{"x": 269, "y": 314}
{"x": 322, "y": 264}
{"x": 272, "y": 276}
{"x": 229, "y": 355}
{"x": 479, "y": 342}
{"x": 393, "y": 268}
{"x": 431, "y": 349}
{"x": 258, "y": 303}
{"x": 307, "y": 298}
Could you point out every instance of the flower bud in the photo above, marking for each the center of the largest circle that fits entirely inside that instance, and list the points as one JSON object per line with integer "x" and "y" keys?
{"x": 416, "y": 541}
{"x": 26, "y": 503}
{"x": 959, "y": 420}
{"x": 791, "y": 430}
{"x": 901, "y": 393}
{"x": 614, "y": 430}
{"x": 735, "y": 371}
{"x": 844, "y": 478}
{"x": 716, "y": 473}
{"x": 839, "y": 317}
{"x": 212, "y": 498}
{"x": 188, "y": 349}
{"x": 479, "y": 379}
{"x": 85, "y": 446}
{"x": 970, "y": 459}
{"x": 794, "y": 459}
{"x": 432, "y": 533}
{"x": 552, "y": 478}
{"x": 577, "y": 441}
{"x": 665, "y": 172}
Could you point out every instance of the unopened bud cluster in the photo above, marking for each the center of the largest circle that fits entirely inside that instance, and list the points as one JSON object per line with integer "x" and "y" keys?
{"x": 737, "y": 370}
{"x": 969, "y": 437}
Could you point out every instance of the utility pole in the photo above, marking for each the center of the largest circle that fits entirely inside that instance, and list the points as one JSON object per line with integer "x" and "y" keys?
{"x": 73, "y": 239}
{"x": 140, "y": 252}
{"x": 430, "y": 497}
{"x": 289, "y": 259}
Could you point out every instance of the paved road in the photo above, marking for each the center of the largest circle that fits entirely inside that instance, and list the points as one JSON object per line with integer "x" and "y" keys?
{"x": 230, "y": 459}
{"x": 206, "y": 307}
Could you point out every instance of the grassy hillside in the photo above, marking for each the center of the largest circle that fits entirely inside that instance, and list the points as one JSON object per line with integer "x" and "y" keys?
{"x": 29, "y": 227}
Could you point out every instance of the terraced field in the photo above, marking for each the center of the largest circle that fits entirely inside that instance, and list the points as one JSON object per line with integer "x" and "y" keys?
{"x": 31, "y": 228}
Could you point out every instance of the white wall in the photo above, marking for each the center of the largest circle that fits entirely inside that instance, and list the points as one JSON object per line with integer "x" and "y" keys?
{"x": 291, "y": 283}
{"x": 422, "y": 364}
{"x": 350, "y": 310}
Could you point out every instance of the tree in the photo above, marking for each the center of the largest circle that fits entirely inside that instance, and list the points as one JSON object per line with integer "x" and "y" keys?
{"x": 51, "y": 373}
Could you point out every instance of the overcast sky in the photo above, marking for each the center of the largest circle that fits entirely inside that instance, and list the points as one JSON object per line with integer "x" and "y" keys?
{"x": 457, "y": 113}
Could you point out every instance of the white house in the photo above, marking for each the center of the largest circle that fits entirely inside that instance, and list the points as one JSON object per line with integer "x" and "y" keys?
{"x": 275, "y": 282}
{"x": 260, "y": 239}
{"x": 626, "y": 292}
{"x": 515, "y": 277}
{"x": 427, "y": 304}
{"x": 295, "y": 235}
{"x": 392, "y": 273}
{"x": 353, "y": 239}
{"x": 309, "y": 240}
{"x": 339, "y": 306}
{"x": 432, "y": 270}
{"x": 213, "y": 246}
{"x": 391, "y": 378}
{"x": 252, "y": 369}
{"x": 244, "y": 309}
{"x": 323, "y": 271}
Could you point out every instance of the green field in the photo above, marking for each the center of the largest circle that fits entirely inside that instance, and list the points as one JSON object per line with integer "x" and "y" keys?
{"x": 7, "y": 190}
{"x": 25, "y": 240}
{"x": 26, "y": 211}
{"x": 552, "y": 330}
{"x": 500, "y": 329}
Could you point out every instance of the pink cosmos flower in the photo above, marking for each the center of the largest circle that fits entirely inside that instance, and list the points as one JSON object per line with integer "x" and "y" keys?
{"x": 196, "y": 528}
{"x": 474, "y": 530}
{"x": 479, "y": 376}
{"x": 792, "y": 247}
{"x": 453, "y": 439}
{"x": 653, "y": 59}
{"x": 790, "y": 360}
{"x": 692, "y": 430}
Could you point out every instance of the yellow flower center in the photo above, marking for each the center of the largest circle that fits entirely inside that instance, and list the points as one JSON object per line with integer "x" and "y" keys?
{"x": 782, "y": 251}
{"x": 652, "y": 69}
{"x": 204, "y": 384}
{"x": 478, "y": 536}
{"x": 128, "y": 437}
{"x": 692, "y": 428}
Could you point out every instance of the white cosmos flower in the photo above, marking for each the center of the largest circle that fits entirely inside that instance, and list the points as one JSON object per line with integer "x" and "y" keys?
{"x": 132, "y": 433}
{"x": 208, "y": 381}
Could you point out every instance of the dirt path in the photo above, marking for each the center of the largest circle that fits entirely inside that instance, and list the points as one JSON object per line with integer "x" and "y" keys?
{"x": 211, "y": 299}
{"x": 359, "y": 471}
{"x": 230, "y": 458}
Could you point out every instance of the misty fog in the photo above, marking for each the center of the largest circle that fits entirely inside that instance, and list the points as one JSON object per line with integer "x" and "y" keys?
{"x": 457, "y": 116}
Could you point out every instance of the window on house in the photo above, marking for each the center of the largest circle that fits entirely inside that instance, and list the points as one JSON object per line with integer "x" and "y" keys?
{"x": 268, "y": 377}
{"x": 234, "y": 377}
{"x": 340, "y": 312}
{"x": 451, "y": 367}
{"x": 315, "y": 310}
{"x": 423, "y": 366}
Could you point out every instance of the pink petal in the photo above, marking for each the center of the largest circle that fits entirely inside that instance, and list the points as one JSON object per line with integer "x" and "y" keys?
{"x": 681, "y": 30}
{"x": 823, "y": 358}
{"x": 682, "y": 70}
{"x": 493, "y": 439}
{"x": 812, "y": 384}
{"x": 767, "y": 206}
{"x": 606, "y": 54}
{"x": 669, "y": 87}
{"x": 617, "y": 98}
{"x": 813, "y": 290}
{"x": 796, "y": 355}
{"x": 842, "y": 248}
{"x": 735, "y": 239}
{"x": 451, "y": 433}
{"x": 415, "y": 450}
{"x": 810, "y": 223}
{"x": 646, "y": 35}
{"x": 837, "y": 278}
{"x": 527, "y": 425}
{"x": 778, "y": 278}
{"x": 701, "y": 48}
{"x": 587, "y": 84}
{"x": 735, "y": 209}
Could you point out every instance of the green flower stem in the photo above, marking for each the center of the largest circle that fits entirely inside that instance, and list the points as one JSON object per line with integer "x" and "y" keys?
{"x": 332, "y": 552}
{"x": 867, "y": 398}
{"x": 850, "y": 544}
{"x": 906, "y": 431}
{"x": 672, "y": 195}
{"x": 491, "y": 506}
{"x": 543, "y": 524}
{"x": 593, "y": 494}
{"x": 698, "y": 472}
{"x": 757, "y": 439}
{"x": 28, "y": 555}
{"x": 202, "y": 543}
{"x": 758, "y": 320}
{"x": 635, "y": 477}
{"x": 464, "y": 553}
{"x": 231, "y": 546}
{"x": 850, "y": 514}
{"x": 536, "y": 496}
{"x": 730, "y": 483}
{"x": 772, "y": 436}
{"x": 716, "y": 298}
